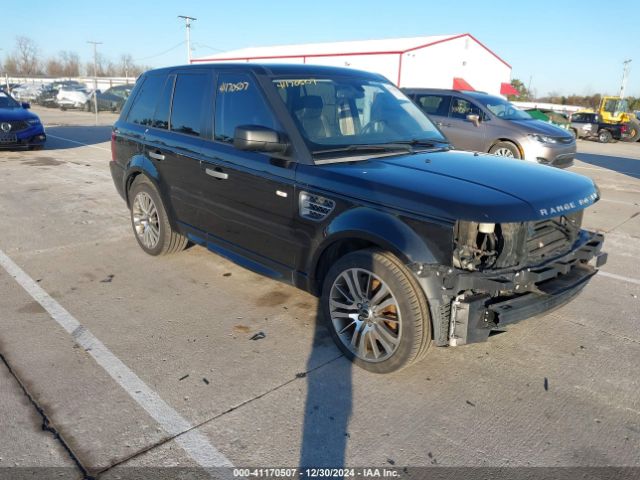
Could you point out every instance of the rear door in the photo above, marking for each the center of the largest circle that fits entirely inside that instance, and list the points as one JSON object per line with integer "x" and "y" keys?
{"x": 248, "y": 197}
{"x": 463, "y": 133}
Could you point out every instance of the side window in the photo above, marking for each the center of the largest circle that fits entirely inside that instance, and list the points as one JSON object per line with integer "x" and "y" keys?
{"x": 161, "y": 117}
{"x": 144, "y": 104}
{"x": 188, "y": 103}
{"x": 460, "y": 108}
{"x": 239, "y": 102}
{"x": 434, "y": 104}
{"x": 578, "y": 117}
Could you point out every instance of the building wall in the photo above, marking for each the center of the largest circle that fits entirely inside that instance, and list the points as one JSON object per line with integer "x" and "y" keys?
{"x": 436, "y": 66}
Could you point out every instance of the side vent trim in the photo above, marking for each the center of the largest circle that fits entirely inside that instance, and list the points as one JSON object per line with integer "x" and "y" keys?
{"x": 315, "y": 207}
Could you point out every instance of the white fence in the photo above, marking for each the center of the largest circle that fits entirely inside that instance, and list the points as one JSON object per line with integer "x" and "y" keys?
{"x": 104, "y": 83}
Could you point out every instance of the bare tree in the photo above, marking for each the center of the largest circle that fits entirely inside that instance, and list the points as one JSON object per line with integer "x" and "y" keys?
{"x": 71, "y": 63}
{"x": 26, "y": 56}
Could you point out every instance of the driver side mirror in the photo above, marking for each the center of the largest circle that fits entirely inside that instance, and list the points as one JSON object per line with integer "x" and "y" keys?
{"x": 473, "y": 118}
{"x": 255, "y": 138}
{"x": 26, "y": 105}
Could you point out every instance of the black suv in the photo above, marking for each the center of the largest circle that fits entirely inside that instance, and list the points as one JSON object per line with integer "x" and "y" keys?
{"x": 333, "y": 180}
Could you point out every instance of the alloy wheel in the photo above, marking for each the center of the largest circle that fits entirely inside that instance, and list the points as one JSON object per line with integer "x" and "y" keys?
{"x": 365, "y": 315}
{"x": 145, "y": 220}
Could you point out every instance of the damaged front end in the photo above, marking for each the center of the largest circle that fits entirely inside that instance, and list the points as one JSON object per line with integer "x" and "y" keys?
{"x": 504, "y": 273}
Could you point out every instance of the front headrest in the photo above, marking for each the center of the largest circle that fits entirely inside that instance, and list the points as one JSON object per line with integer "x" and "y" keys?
{"x": 312, "y": 104}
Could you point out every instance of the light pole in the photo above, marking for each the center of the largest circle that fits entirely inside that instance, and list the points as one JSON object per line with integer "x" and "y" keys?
{"x": 95, "y": 76}
{"x": 187, "y": 24}
{"x": 625, "y": 75}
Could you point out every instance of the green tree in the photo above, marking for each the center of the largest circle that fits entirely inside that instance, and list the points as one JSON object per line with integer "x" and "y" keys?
{"x": 523, "y": 93}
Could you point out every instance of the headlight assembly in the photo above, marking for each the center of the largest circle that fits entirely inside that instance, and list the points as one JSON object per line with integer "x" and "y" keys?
{"x": 542, "y": 138}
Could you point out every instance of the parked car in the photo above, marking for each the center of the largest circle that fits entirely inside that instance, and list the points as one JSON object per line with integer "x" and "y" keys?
{"x": 110, "y": 100}
{"x": 480, "y": 122}
{"x": 27, "y": 92}
{"x": 72, "y": 96}
{"x": 333, "y": 180}
{"x": 588, "y": 125}
{"x": 48, "y": 96}
{"x": 19, "y": 128}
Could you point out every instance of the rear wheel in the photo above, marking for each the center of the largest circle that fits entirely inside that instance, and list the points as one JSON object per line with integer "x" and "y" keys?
{"x": 505, "y": 149}
{"x": 150, "y": 221}
{"x": 376, "y": 311}
{"x": 634, "y": 131}
{"x": 604, "y": 136}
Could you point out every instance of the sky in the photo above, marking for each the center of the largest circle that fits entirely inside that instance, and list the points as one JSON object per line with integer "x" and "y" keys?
{"x": 557, "y": 46}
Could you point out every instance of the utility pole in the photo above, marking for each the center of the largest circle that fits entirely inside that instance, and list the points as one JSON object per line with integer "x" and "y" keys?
{"x": 95, "y": 76}
{"x": 187, "y": 24}
{"x": 625, "y": 76}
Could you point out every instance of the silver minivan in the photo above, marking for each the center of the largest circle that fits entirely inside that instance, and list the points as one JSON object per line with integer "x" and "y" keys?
{"x": 481, "y": 122}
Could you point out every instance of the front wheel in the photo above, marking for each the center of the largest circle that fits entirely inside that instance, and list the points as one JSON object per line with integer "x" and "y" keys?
{"x": 505, "y": 149}
{"x": 150, "y": 221}
{"x": 376, "y": 311}
{"x": 604, "y": 136}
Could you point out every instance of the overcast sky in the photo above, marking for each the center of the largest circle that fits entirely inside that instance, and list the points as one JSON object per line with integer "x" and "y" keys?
{"x": 561, "y": 46}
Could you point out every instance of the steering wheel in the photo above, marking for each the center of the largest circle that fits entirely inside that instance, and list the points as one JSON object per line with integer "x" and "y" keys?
{"x": 502, "y": 113}
{"x": 374, "y": 126}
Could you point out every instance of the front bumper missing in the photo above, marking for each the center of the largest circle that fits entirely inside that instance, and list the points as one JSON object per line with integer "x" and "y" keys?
{"x": 491, "y": 302}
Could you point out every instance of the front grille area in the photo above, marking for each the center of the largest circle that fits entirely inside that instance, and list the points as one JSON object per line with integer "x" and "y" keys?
{"x": 18, "y": 126}
{"x": 552, "y": 237}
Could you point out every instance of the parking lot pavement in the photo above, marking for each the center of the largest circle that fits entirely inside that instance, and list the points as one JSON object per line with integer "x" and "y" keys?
{"x": 191, "y": 388}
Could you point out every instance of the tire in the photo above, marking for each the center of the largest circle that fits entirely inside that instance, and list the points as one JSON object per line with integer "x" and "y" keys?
{"x": 634, "y": 131}
{"x": 604, "y": 136}
{"x": 37, "y": 147}
{"x": 505, "y": 149}
{"x": 382, "y": 344}
{"x": 87, "y": 106}
{"x": 150, "y": 222}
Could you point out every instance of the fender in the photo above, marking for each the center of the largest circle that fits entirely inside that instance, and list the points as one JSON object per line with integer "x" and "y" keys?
{"x": 140, "y": 164}
{"x": 384, "y": 229}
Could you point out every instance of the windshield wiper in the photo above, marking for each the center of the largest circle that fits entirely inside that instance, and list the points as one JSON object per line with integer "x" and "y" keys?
{"x": 374, "y": 147}
{"x": 425, "y": 142}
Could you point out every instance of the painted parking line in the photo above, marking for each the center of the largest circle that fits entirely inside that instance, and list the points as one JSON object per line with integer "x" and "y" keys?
{"x": 194, "y": 443}
{"x": 622, "y": 278}
{"x": 79, "y": 143}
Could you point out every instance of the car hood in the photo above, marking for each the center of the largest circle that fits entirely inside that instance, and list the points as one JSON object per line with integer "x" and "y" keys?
{"x": 452, "y": 185}
{"x": 543, "y": 128}
{"x": 13, "y": 114}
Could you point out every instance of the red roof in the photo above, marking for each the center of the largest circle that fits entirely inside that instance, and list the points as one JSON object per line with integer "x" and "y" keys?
{"x": 508, "y": 89}
{"x": 461, "y": 84}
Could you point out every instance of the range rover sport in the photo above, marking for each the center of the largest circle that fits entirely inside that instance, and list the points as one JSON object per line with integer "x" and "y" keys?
{"x": 333, "y": 180}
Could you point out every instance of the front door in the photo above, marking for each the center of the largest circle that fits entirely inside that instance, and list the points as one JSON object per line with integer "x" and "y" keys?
{"x": 463, "y": 133}
{"x": 248, "y": 197}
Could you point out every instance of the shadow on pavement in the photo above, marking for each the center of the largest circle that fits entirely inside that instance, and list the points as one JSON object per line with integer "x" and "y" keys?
{"x": 624, "y": 165}
{"x": 76, "y": 136}
{"x": 327, "y": 407}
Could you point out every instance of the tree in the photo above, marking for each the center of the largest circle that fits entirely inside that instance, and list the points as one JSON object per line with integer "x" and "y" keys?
{"x": 26, "y": 55}
{"x": 523, "y": 93}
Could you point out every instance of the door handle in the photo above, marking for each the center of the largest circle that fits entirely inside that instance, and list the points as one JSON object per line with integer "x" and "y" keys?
{"x": 156, "y": 155}
{"x": 216, "y": 173}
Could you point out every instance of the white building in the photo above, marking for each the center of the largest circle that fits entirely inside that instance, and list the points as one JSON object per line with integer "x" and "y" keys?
{"x": 440, "y": 61}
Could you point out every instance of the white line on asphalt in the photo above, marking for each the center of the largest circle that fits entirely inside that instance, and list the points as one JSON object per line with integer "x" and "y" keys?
{"x": 619, "y": 201}
{"x": 619, "y": 277}
{"x": 193, "y": 442}
{"x": 79, "y": 143}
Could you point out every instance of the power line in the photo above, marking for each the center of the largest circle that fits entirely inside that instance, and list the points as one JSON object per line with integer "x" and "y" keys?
{"x": 160, "y": 54}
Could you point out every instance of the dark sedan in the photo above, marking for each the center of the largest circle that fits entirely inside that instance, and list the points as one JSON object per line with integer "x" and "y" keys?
{"x": 19, "y": 128}
{"x": 110, "y": 100}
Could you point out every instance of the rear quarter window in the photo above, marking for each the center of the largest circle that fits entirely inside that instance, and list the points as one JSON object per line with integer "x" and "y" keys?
{"x": 144, "y": 105}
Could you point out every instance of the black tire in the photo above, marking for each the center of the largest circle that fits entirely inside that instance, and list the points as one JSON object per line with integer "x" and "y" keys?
{"x": 37, "y": 147}
{"x": 501, "y": 147}
{"x": 634, "y": 131}
{"x": 87, "y": 106}
{"x": 413, "y": 318}
{"x": 168, "y": 241}
{"x": 604, "y": 136}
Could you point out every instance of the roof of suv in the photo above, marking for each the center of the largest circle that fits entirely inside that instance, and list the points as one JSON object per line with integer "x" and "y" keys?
{"x": 278, "y": 69}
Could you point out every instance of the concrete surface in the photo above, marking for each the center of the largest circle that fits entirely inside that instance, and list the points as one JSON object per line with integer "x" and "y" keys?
{"x": 561, "y": 390}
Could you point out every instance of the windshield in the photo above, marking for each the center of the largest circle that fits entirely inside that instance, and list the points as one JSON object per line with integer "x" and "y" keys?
{"x": 503, "y": 109}
{"x": 7, "y": 102}
{"x": 350, "y": 113}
